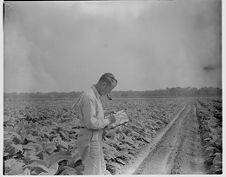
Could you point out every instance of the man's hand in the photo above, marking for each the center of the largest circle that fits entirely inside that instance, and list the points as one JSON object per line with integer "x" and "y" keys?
{"x": 107, "y": 112}
{"x": 112, "y": 119}
{"x": 111, "y": 111}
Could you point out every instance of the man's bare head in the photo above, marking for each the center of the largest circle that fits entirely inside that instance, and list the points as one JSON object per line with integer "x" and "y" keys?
{"x": 108, "y": 78}
{"x": 106, "y": 83}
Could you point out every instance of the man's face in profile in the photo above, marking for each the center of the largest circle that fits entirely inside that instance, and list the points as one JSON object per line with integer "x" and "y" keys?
{"x": 108, "y": 88}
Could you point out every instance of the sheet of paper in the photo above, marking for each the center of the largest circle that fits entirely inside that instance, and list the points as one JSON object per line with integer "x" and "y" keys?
{"x": 121, "y": 118}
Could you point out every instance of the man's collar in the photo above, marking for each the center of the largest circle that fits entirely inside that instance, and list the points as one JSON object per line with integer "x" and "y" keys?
{"x": 96, "y": 92}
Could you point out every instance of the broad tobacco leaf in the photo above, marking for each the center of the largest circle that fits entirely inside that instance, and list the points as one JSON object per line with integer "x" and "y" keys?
{"x": 25, "y": 172}
{"x": 64, "y": 135}
{"x": 63, "y": 145}
{"x": 128, "y": 140}
{"x": 50, "y": 163}
{"x": 109, "y": 154}
{"x": 59, "y": 156}
{"x": 7, "y": 118}
{"x": 23, "y": 134}
{"x": 35, "y": 147}
{"x": 217, "y": 159}
{"x": 18, "y": 147}
{"x": 49, "y": 147}
{"x": 20, "y": 126}
{"x": 120, "y": 161}
{"x": 30, "y": 155}
{"x": 12, "y": 135}
{"x": 32, "y": 138}
{"x": 69, "y": 171}
{"x": 6, "y": 154}
{"x": 74, "y": 157}
{"x": 13, "y": 167}
{"x": 13, "y": 148}
{"x": 8, "y": 130}
{"x": 9, "y": 162}
{"x": 42, "y": 164}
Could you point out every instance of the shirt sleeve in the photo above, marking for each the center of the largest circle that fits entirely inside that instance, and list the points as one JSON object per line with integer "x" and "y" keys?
{"x": 91, "y": 121}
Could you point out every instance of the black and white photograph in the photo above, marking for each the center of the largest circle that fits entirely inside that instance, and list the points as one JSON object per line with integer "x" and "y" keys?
{"x": 112, "y": 87}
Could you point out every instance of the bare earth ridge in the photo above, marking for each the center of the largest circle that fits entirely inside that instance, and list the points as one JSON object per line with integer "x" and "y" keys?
{"x": 175, "y": 150}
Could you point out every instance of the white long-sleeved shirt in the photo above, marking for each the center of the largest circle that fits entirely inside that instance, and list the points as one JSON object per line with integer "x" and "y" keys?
{"x": 91, "y": 110}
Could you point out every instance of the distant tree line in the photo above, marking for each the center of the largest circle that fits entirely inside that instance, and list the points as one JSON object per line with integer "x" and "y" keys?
{"x": 168, "y": 92}
{"x": 171, "y": 92}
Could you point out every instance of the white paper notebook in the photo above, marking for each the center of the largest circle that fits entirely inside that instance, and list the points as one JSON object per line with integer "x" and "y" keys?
{"x": 121, "y": 118}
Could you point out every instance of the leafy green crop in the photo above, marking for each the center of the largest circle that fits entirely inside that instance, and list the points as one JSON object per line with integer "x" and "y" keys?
{"x": 40, "y": 137}
{"x": 211, "y": 131}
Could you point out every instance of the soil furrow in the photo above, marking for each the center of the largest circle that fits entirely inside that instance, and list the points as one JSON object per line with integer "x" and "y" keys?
{"x": 179, "y": 150}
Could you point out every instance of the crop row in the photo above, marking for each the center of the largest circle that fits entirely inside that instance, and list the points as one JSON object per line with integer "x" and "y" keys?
{"x": 41, "y": 137}
{"x": 209, "y": 114}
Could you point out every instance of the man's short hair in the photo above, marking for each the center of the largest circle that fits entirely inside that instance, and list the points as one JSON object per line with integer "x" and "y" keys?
{"x": 109, "y": 78}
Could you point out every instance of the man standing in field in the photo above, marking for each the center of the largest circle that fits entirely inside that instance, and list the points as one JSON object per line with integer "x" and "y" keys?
{"x": 93, "y": 122}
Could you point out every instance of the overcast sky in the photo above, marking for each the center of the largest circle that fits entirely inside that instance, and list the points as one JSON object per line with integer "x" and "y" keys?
{"x": 66, "y": 46}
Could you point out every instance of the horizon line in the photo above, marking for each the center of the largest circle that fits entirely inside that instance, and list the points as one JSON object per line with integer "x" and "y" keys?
{"x": 117, "y": 90}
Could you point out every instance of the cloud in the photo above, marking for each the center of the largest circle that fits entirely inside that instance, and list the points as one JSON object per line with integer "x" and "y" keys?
{"x": 66, "y": 46}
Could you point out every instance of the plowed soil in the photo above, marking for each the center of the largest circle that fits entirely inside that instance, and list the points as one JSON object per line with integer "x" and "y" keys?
{"x": 176, "y": 150}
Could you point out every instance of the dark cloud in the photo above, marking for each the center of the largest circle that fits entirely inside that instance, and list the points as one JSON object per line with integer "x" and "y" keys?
{"x": 209, "y": 68}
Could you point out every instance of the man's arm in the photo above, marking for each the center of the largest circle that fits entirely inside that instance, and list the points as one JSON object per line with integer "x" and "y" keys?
{"x": 90, "y": 120}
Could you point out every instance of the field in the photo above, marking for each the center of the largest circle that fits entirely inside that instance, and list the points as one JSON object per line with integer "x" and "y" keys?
{"x": 40, "y": 135}
{"x": 209, "y": 112}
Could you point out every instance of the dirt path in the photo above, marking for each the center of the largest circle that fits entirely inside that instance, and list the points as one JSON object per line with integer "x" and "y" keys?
{"x": 177, "y": 150}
